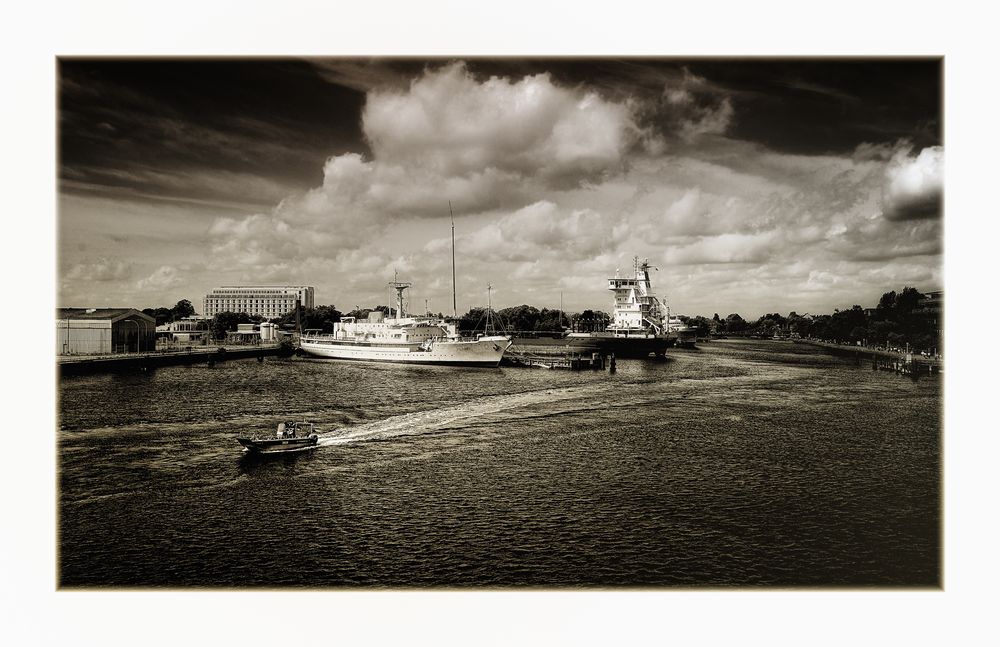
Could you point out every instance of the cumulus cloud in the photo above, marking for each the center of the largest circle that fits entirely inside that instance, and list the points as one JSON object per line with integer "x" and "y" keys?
{"x": 450, "y": 122}
{"x": 726, "y": 248}
{"x": 698, "y": 212}
{"x": 914, "y": 184}
{"x": 541, "y": 229}
{"x": 165, "y": 277}
{"x": 103, "y": 269}
{"x": 484, "y": 145}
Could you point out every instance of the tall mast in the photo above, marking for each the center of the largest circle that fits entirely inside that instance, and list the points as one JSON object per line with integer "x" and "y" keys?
{"x": 454, "y": 289}
{"x": 489, "y": 306}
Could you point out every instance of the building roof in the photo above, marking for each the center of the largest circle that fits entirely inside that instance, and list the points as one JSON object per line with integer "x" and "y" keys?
{"x": 103, "y": 314}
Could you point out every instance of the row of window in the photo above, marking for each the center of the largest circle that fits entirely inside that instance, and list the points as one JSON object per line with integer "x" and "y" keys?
{"x": 244, "y": 295}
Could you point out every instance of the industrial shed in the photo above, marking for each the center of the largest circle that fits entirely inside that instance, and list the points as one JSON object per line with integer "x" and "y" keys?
{"x": 99, "y": 331}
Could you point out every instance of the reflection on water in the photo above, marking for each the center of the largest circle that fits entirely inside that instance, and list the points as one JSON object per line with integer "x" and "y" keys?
{"x": 736, "y": 464}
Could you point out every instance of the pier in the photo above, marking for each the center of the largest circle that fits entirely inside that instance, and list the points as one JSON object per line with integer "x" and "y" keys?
{"x": 88, "y": 364}
{"x": 553, "y": 358}
{"x": 906, "y": 363}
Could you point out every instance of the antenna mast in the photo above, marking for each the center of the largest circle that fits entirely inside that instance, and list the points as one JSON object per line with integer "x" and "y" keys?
{"x": 489, "y": 306}
{"x": 399, "y": 287}
{"x": 454, "y": 289}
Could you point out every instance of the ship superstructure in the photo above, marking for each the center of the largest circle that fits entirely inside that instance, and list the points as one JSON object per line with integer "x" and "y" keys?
{"x": 636, "y": 310}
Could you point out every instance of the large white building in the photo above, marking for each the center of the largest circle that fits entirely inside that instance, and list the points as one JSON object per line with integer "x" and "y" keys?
{"x": 268, "y": 301}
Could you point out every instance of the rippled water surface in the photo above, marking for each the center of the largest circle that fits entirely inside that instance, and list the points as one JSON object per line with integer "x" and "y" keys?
{"x": 737, "y": 464}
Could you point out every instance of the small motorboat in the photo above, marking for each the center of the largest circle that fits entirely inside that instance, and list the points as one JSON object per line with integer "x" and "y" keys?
{"x": 290, "y": 437}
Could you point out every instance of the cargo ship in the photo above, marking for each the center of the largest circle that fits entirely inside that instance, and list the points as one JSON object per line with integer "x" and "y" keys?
{"x": 637, "y": 329}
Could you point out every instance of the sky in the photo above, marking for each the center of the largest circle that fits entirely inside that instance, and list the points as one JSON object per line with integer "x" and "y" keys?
{"x": 751, "y": 185}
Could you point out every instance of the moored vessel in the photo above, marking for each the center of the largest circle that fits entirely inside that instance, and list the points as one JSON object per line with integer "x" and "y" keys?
{"x": 683, "y": 335}
{"x": 636, "y": 329}
{"x": 404, "y": 339}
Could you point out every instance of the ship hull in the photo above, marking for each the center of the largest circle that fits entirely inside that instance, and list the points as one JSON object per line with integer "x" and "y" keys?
{"x": 278, "y": 445}
{"x": 630, "y": 347}
{"x": 485, "y": 352}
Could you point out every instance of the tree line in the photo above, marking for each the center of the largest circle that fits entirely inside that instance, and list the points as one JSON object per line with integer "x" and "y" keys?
{"x": 166, "y": 315}
{"x": 897, "y": 321}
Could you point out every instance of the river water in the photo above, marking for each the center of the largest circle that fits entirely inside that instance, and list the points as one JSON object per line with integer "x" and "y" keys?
{"x": 740, "y": 463}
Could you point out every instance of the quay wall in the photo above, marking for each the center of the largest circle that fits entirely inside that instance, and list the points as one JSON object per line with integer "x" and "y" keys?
{"x": 83, "y": 365}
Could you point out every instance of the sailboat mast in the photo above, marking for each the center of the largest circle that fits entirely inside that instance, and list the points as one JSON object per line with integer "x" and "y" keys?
{"x": 454, "y": 289}
{"x": 489, "y": 306}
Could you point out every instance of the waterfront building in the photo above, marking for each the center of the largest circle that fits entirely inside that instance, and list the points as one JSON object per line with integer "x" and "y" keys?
{"x": 186, "y": 330}
{"x": 99, "y": 331}
{"x": 931, "y": 305}
{"x": 268, "y": 301}
{"x": 244, "y": 334}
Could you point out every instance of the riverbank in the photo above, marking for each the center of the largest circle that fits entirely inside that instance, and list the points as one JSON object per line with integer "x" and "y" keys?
{"x": 88, "y": 364}
{"x": 899, "y": 361}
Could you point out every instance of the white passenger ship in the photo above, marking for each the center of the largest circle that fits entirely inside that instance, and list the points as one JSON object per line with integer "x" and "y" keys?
{"x": 404, "y": 339}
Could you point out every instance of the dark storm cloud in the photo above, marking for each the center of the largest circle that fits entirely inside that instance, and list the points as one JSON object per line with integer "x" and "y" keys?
{"x": 147, "y": 125}
{"x": 831, "y": 105}
{"x": 803, "y": 106}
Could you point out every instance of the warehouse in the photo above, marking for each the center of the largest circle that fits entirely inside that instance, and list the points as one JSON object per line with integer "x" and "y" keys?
{"x": 98, "y": 331}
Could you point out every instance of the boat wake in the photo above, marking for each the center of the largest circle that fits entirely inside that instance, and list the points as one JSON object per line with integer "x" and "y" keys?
{"x": 486, "y": 409}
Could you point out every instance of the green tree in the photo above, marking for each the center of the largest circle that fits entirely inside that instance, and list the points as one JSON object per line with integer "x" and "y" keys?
{"x": 473, "y": 320}
{"x": 878, "y": 331}
{"x": 522, "y": 317}
{"x": 907, "y": 301}
{"x": 226, "y": 322}
{"x": 318, "y": 318}
{"x": 551, "y": 320}
{"x": 735, "y": 323}
{"x": 182, "y": 309}
{"x": 359, "y": 313}
{"x": 703, "y": 324}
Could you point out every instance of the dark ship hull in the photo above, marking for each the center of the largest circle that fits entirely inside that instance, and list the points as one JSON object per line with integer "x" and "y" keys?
{"x": 625, "y": 346}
